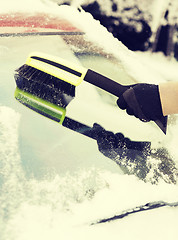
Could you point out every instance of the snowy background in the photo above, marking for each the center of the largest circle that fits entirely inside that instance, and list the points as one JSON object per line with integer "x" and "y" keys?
{"x": 54, "y": 182}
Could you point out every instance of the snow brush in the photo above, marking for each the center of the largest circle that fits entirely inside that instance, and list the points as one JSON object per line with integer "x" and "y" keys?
{"x": 63, "y": 76}
{"x": 51, "y": 102}
{"x": 57, "y": 113}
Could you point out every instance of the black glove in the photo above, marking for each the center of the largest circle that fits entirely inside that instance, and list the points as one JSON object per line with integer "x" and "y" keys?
{"x": 142, "y": 101}
{"x": 136, "y": 158}
{"x": 129, "y": 155}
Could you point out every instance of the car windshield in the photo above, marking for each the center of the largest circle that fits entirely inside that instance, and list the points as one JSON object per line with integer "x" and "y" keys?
{"x": 78, "y": 48}
{"x": 46, "y": 164}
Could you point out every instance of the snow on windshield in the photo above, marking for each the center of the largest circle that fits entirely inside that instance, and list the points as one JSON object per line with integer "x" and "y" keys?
{"x": 54, "y": 182}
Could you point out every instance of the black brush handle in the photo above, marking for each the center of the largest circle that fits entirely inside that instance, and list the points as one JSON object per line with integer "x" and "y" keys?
{"x": 93, "y": 133}
{"x": 116, "y": 89}
{"x": 105, "y": 83}
{"x": 79, "y": 127}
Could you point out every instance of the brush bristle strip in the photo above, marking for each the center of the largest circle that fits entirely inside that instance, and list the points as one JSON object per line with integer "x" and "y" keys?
{"x": 57, "y": 67}
{"x": 46, "y": 92}
{"x": 31, "y": 73}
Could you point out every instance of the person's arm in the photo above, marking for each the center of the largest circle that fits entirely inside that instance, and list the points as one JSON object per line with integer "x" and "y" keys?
{"x": 169, "y": 97}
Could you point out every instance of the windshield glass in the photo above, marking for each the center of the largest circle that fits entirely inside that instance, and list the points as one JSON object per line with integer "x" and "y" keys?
{"x": 79, "y": 49}
{"x": 46, "y": 165}
{"x": 83, "y": 108}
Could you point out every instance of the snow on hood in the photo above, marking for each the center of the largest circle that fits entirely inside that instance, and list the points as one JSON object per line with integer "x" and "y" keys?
{"x": 94, "y": 31}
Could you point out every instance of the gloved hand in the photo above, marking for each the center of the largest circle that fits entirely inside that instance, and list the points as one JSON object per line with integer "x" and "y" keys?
{"x": 129, "y": 155}
{"x": 143, "y": 101}
{"x": 136, "y": 158}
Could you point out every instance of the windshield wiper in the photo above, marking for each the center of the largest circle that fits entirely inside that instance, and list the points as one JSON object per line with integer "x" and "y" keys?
{"x": 142, "y": 208}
